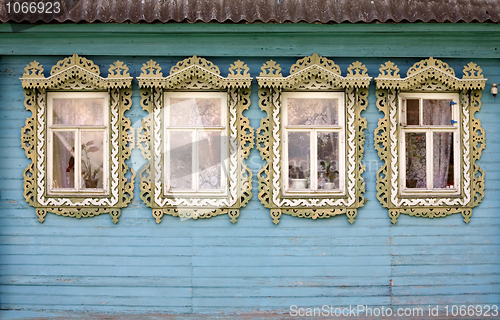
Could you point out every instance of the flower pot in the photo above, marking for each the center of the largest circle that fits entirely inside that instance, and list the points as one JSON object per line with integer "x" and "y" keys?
{"x": 329, "y": 185}
{"x": 91, "y": 183}
{"x": 411, "y": 183}
{"x": 298, "y": 184}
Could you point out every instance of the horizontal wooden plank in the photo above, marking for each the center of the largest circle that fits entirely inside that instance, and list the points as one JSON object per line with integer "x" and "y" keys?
{"x": 446, "y": 259}
{"x": 51, "y": 301}
{"x": 449, "y": 269}
{"x": 308, "y": 271}
{"x": 134, "y": 249}
{"x": 230, "y": 303}
{"x": 347, "y": 45}
{"x": 199, "y": 282}
{"x": 362, "y": 292}
{"x": 95, "y": 260}
{"x": 492, "y": 288}
{"x": 96, "y": 291}
{"x": 110, "y": 271}
{"x": 446, "y": 280}
{"x": 449, "y": 299}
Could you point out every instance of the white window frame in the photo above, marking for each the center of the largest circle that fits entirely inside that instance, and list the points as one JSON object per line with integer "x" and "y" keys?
{"x": 223, "y": 129}
{"x": 313, "y": 130}
{"x": 429, "y": 130}
{"x": 51, "y": 128}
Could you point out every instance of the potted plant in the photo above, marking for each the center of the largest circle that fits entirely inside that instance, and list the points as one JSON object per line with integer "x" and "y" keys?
{"x": 331, "y": 175}
{"x": 299, "y": 182}
{"x": 89, "y": 175}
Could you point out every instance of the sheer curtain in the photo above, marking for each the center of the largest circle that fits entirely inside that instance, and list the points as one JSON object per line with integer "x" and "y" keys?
{"x": 439, "y": 112}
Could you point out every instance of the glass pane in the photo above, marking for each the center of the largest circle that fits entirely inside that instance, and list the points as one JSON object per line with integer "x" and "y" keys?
{"x": 328, "y": 160}
{"x": 181, "y": 159}
{"x": 63, "y": 164}
{"x": 92, "y": 159}
{"x": 412, "y": 112}
{"x": 195, "y": 112}
{"x": 415, "y": 160}
{"x": 210, "y": 148}
{"x": 299, "y": 150}
{"x": 444, "y": 176}
{"x": 437, "y": 112}
{"x": 78, "y": 112}
{"x": 312, "y": 112}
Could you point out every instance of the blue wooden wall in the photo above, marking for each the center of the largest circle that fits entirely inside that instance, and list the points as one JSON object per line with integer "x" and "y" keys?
{"x": 210, "y": 266}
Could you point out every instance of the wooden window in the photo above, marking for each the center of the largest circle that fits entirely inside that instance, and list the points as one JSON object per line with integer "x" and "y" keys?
{"x": 78, "y": 135}
{"x": 195, "y": 139}
{"x": 196, "y": 143}
{"x": 429, "y": 140}
{"x": 313, "y": 142}
{"x": 430, "y": 143}
{"x": 77, "y": 139}
{"x": 312, "y": 138}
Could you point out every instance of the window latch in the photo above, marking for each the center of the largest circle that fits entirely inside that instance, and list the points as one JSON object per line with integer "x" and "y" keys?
{"x": 452, "y": 103}
{"x": 453, "y": 121}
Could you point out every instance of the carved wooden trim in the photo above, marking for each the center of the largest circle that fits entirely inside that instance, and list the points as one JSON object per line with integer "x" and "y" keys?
{"x": 195, "y": 74}
{"x": 313, "y": 73}
{"x": 71, "y": 74}
{"x": 430, "y": 75}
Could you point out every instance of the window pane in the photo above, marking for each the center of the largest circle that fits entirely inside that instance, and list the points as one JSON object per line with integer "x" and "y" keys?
{"x": 181, "y": 159}
{"x": 63, "y": 164}
{"x": 312, "y": 112}
{"x": 328, "y": 160}
{"x": 78, "y": 111}
{"x": 412, "y": 112}
{"x": 195, "y": 112}
{"x": 299, "y": 151}
{"x": 443, "y": 160}
{"x": 210, "y": 148}
{"x": 437, "y": 112}
{"x": 415, "y": 160}
{"x": 92, "y": 159}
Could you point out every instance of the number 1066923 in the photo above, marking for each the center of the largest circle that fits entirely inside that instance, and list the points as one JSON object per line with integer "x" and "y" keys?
{"x": 33, "y": 7}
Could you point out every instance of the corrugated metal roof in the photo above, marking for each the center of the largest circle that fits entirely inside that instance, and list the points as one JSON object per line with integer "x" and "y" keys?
{"x": 250, "y": 11}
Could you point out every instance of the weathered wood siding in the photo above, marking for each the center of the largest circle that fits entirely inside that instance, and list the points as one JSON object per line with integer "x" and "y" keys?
{"x": 207, "y": 266}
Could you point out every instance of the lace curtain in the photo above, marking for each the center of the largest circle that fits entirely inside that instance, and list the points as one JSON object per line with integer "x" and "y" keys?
{"x": 435, "y": 113}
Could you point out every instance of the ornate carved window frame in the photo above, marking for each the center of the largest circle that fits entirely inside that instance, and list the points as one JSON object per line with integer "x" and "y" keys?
{"x": 429, "y": 76}
{"x": 195, "y": 74}
{"x": 77, "y": 74}
{"x": 311, "y": 74}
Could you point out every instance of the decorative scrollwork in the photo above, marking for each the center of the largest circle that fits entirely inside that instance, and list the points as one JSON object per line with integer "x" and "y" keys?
{"x": 239, "y": 70}
{"x": 319, "y": 74}
{"x": 430, "y": 213}
{"x": 271, "y": 69}
{"x": 33, "y": 70}
{"x": 193, "y": 213}
{"x": 428, "y": 63}
{"x": 356, "y": 69}
{"x": 472, "y": 71}
{"x": 75, "y": 60}
{"x": 195, "y": 61}
{"x": 389, "y": 70}
{"x": 314, "y": 73}
{"x": 427, "y": 72}
{"x": 151, "y": 69}
{"x": 77, "y": 73}
{"x": 315, "y": 60}
{"x": 196, "y": 73}
{"x": 118, "y": 70}
{"x": 430, "y": 75}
